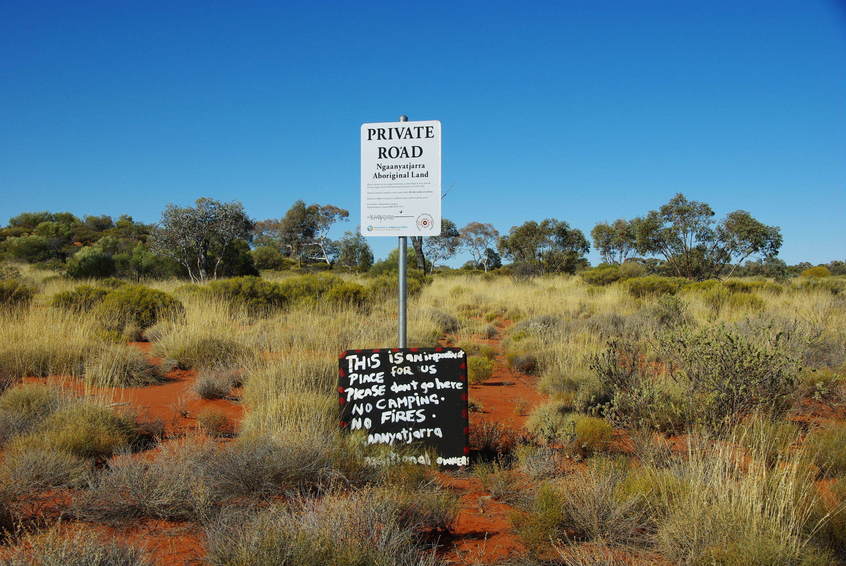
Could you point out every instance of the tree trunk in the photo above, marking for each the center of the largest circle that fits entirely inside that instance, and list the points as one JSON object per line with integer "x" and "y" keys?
{"x": 417, "y": 244}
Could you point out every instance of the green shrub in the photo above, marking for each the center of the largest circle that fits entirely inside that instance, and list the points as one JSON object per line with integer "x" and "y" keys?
{"x": 479, "y": 369}
{"x": 9, "y": 271}
{"x": 79, "y": 299}
{"x": 15, "y": 294}
{"x": 822, "y": 385}
{"x": 136, "y": 306}
{"x": 590, "y": 434}
{"x": 308, "y": 289}
{"x": 82, "y": 429}
{"x": 269, "y": 257}
{"x": 80, "y": 548}
{"x": 90, "y": 262}
{"x": 203, "y": 351}
{"x": 816, "y": 272}
{"x": 585, "y": 506}
{"x": 23, "y": 407}
{"x": 259, "y": 296}
{"x": 602, "y": 275}
{"x": 654, "y": 285}
{"x": 726, "y": 375}
{"x": 118, "y": 365}
{"x": 348, "y": 294}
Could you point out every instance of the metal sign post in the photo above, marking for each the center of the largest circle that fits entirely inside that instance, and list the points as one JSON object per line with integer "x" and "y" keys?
{"x": 403, "y": 281}
{"x": 401, "y": 189}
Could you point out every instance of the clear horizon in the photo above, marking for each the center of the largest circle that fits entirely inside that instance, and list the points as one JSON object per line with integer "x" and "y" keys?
{"x": 584, "y": 113}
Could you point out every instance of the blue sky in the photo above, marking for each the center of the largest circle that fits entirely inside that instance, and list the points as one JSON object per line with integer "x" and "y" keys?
{"x": 582, "y": 111}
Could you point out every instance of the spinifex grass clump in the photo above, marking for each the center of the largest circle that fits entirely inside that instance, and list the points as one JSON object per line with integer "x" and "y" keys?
{"x": 83, "y": 429}
{"x": 24, "y": 407}
{"x": 42, "y": 342}
{"x": 343, "y": 530}
{"x": 117, "y": 365}
{"x": 57, "y": 547}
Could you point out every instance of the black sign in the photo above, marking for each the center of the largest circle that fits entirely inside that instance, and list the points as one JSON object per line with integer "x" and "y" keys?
{"x": 412, "y": 399}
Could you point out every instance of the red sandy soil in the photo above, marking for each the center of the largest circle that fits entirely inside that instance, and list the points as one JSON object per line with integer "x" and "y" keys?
{"x": 482, "y": 533}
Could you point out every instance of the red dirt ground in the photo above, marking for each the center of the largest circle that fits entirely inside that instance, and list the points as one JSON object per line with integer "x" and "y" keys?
{"x": 482, "y": 533}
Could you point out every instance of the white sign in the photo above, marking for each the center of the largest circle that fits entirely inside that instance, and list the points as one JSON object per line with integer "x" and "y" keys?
{"x": 401, "y": 178}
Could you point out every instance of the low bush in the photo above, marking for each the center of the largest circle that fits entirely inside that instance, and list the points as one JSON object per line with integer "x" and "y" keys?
{"x": 136, "y": 306}
{"x": 348, "y": 294}
{"x": 492, "y": 441}
{"x": 446, "y": 323}
{"x": 816, "y": 272}
{"x": 79, "y": 299}
{"x": 727, "y": 375}
{"x": 654, "y": 285}
{"x": 549, "y": 421}
{"x": 479, "y": 369}
{"x": 308, "y": 289}
{"x": 117, "y": 365}
{"x": 259, "y": 296}
{"x": 822, "y": 385}
{"x": 590, "y": 434}
{"x": 203, "y": 351}
{"x": 81, "y": 547}
{"x": 15, "y": 294}
{"x": 524, "y": 363}
{"x": 602, "y": 275}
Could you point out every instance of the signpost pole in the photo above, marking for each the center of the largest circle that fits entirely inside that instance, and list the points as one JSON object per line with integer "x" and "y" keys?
{"x": 403, "y": 272}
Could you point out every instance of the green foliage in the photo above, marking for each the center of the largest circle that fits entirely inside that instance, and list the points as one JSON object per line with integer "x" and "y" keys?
{"x": 348, "y": 294}
{"x": 816, "y": 272}
{"x": 90, "y": 262}
{"x": 479, "y": 369}
{"x": 137, "y": 306}
{"x": 654, "y": 285}
{"x": 602, "y": 274}
{"x": 354, "y": 253}
{"x": 15, "y": 294}
{"x": 259, "y": 296}
{"x": 590, "y": 434}
{"x": 79, "y": 299}
{"x": 269, "y": 257}
{"x": 727, "y": 375}
{"x": 308, "y": 289}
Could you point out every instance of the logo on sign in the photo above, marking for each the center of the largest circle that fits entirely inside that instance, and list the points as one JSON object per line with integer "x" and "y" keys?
{"x": 425, "y": 222}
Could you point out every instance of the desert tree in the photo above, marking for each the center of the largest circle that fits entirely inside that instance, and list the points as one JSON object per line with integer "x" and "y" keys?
{"x": 477, "y": 238}
{"x": 550, "y": 246}
{"x": 693, "y": 245}
{"x": 615, "y": 242}
{"x": 200, "y": 237}
{"x": 443, "y": 246}
{"x": 354, "y": 253}
{"x": 303, "y": 232}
